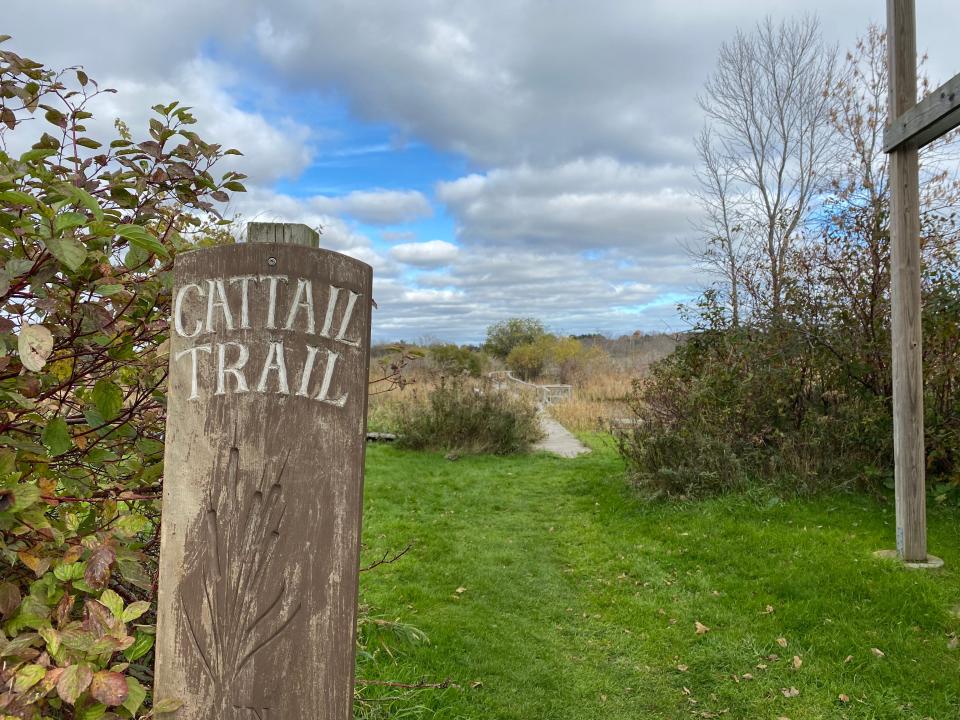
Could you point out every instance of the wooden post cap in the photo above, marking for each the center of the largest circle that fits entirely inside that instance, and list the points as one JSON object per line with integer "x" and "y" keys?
{"x": 283, "y": 234}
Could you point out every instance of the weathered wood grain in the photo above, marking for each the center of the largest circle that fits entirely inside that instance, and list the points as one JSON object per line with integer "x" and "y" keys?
{"x": 283, "y": 234}
{"x": 934, "y": 116}
{"x": 263, "y": 483}
{"x": 909, "y": 452}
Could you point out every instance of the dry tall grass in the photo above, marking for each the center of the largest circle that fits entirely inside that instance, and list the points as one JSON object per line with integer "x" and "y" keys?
{"x": 598, "y": 400}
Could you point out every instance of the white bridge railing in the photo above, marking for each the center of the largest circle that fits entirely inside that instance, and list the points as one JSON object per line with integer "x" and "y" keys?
{"x": 546, "y": 394}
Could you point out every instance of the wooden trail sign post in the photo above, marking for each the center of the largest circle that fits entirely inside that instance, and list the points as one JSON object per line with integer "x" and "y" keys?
{"x": 911, "y": 126}
{"x": 263, "y": 482}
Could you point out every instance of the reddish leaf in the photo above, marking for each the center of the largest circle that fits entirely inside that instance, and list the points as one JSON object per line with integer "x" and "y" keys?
{"x": 9, "y": 598}
{"x": 75, "y": 679}
{"x": 99, "y": 620}
{"x": 98, "y": 567}
{"x": 64, "y": 608}
{"x": 110, "y": 688}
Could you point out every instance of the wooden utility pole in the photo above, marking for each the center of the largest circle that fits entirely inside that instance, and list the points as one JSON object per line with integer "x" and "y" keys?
{"x": 905, "y": 298}
{"x": 911, "y": 125}
{"x": 263, "y": 481}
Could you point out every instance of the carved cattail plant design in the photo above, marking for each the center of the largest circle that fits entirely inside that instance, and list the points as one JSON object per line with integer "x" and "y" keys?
{"x": 232, "y": 573}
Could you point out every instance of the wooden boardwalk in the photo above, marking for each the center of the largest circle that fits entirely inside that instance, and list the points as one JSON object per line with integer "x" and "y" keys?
{"x": 557, "y": 439}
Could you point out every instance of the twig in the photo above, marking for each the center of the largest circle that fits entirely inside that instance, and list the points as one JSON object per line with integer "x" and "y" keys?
{"x": 385, "y": 561}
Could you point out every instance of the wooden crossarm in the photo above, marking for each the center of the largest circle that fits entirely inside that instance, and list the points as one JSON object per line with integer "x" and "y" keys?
{"x": 934, "y": 116}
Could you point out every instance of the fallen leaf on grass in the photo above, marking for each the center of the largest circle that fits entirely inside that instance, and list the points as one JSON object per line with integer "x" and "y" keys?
{"x": 747, "y": 676}
{"x": 848, "y": 658}
{"x": 843, "y": 698}
{"x": 878, "y": 652}
{"x": 797, "y": 662}
{"x": 781, "y": 641}
{"x": 790, "y": 692}
{"x": 767, "y": 610}
{"x": 682, "y": 668}
{"x": 701, "y": 628}
{"x": 461, "y": 590}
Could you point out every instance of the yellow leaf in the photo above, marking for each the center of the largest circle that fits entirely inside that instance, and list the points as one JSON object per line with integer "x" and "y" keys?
{"x": 797, "y": 662}
{"x": 701, "y": 628}
{"x": 781, "y": 641}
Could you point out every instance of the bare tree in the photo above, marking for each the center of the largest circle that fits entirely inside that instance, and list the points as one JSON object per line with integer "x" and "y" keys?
{"x": 722, "y": 249}
{"x": 769, "y": 137}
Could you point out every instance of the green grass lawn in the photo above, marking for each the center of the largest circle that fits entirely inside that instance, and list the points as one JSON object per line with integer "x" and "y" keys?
{"x": 548, "y": 584}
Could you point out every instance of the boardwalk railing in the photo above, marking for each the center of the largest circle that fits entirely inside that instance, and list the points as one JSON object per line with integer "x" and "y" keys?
{"x": 546, "y": 394}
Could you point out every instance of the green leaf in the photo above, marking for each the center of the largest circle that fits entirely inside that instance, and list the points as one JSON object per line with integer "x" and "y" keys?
{"x": 91, "y": 712}
{"x": 136, "y": 694}
{"x": 108, "y": 399}
{"x": 68, "y": 220}
{"x": 141, "y": 646}
{"x": 27, "y": 677}
{"x": 24, "y": 495}
{"x": 37, "y": 154}
{"x": 68, "y": 250}
{"x": 113, "y": 602}
{"x": 17, "y": 197}
{"x": 88, "y": 143}
{"x": 141, "y": 238}
{"x": 55, "y": 116}
{"x": 134, "y": 610}
{"x": 135, "y": 257}
{"x": 83, "y": 198}
{"x": 56, "y": 437}
{"x": 67, "y": 572}
{"x": 52, "y": 638}
{"x": 18, "y": 266}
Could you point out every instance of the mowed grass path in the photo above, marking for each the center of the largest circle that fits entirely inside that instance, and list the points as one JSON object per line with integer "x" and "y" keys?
{"x": 579, "y": 601}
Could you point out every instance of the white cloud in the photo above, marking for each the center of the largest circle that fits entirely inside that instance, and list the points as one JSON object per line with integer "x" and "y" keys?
{"x": 575, "y": 120}
{"x": 376, "y": 207}
{"x": 583, "y": 204}
{"x": 433, "y": 253}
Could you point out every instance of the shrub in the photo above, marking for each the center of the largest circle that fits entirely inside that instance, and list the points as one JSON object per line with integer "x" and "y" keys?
{"x": 452, "y": 359}
{"x": 529, "y": 359}
{"x": 736, "y": 406}
{"x": 87, "y": 236}
{"x": 469, "y": 417}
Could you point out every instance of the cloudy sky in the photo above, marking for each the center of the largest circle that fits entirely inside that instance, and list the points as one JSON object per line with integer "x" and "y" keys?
{"x": 489, "y": 159}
